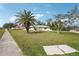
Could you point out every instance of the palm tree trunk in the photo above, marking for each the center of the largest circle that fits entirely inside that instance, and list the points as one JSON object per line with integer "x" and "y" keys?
{"x": 28, "y": 27}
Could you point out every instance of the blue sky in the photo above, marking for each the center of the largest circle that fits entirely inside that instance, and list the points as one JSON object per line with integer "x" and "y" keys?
{"x": 42, "y": 11}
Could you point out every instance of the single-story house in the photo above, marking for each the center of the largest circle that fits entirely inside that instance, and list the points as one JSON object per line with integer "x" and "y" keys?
{"x": 39, "y": 28}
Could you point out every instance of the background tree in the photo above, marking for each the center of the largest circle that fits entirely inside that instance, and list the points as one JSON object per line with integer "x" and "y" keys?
{"x": 9, "y": 25}
{"x": 73, "y": 16}
{"x": 40, "y": 23}
{"x": 26, "y": 18}
{"x": 54, "y": 25}
{"x": 59, "y": 23}
{"x": 49, "y": 23}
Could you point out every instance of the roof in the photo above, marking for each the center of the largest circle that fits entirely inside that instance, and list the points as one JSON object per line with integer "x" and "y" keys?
{"x": 44, "y": 26}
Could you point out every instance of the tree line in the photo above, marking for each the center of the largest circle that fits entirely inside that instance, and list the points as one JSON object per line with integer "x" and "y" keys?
{"x": 61, "y": 21}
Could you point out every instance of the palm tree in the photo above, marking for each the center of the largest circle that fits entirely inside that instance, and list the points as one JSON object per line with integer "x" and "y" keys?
{"x": 26, "y": 18}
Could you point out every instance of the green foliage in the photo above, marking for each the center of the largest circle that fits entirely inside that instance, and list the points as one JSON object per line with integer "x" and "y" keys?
{"x": 1, "y": 33}
{"x": 49, "y": 23}
{"x": 73, "y": 15}
{"x": 9, "y": 25}
{"x": 26, "y": 18}
{"x": 40, "y": 23}
{"x": 57, "y": 24}
{"x": 61, "y": 24}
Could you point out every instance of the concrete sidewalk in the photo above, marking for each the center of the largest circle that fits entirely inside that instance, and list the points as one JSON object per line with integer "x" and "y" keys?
{"x": 8, "y": 46}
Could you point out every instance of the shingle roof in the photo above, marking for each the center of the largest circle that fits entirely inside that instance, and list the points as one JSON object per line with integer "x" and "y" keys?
{"x": 40, "y": 26}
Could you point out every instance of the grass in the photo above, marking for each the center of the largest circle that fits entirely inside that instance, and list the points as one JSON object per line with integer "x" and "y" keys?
{"x": 31, "y": 43}
{"x": 1, "y": 33}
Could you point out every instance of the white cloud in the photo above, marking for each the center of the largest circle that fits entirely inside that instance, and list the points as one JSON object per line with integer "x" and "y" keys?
{"x": 12, "y": 19}
{"x": 37, "y": 16}
{"x": 63, "y": 20}
{"x": 0, "y": 25}
{"x": 1, "y": 22}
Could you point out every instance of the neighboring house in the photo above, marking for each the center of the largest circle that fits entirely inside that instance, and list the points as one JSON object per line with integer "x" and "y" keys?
{"x": 77, "y": 29}
{"x": 19, "y": 26}
{"x": 40, "y": 28}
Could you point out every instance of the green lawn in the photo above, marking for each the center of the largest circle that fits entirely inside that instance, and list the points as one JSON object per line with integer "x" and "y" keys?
{"x": 1, "y": 33}
{"x": 31, "y": 44}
